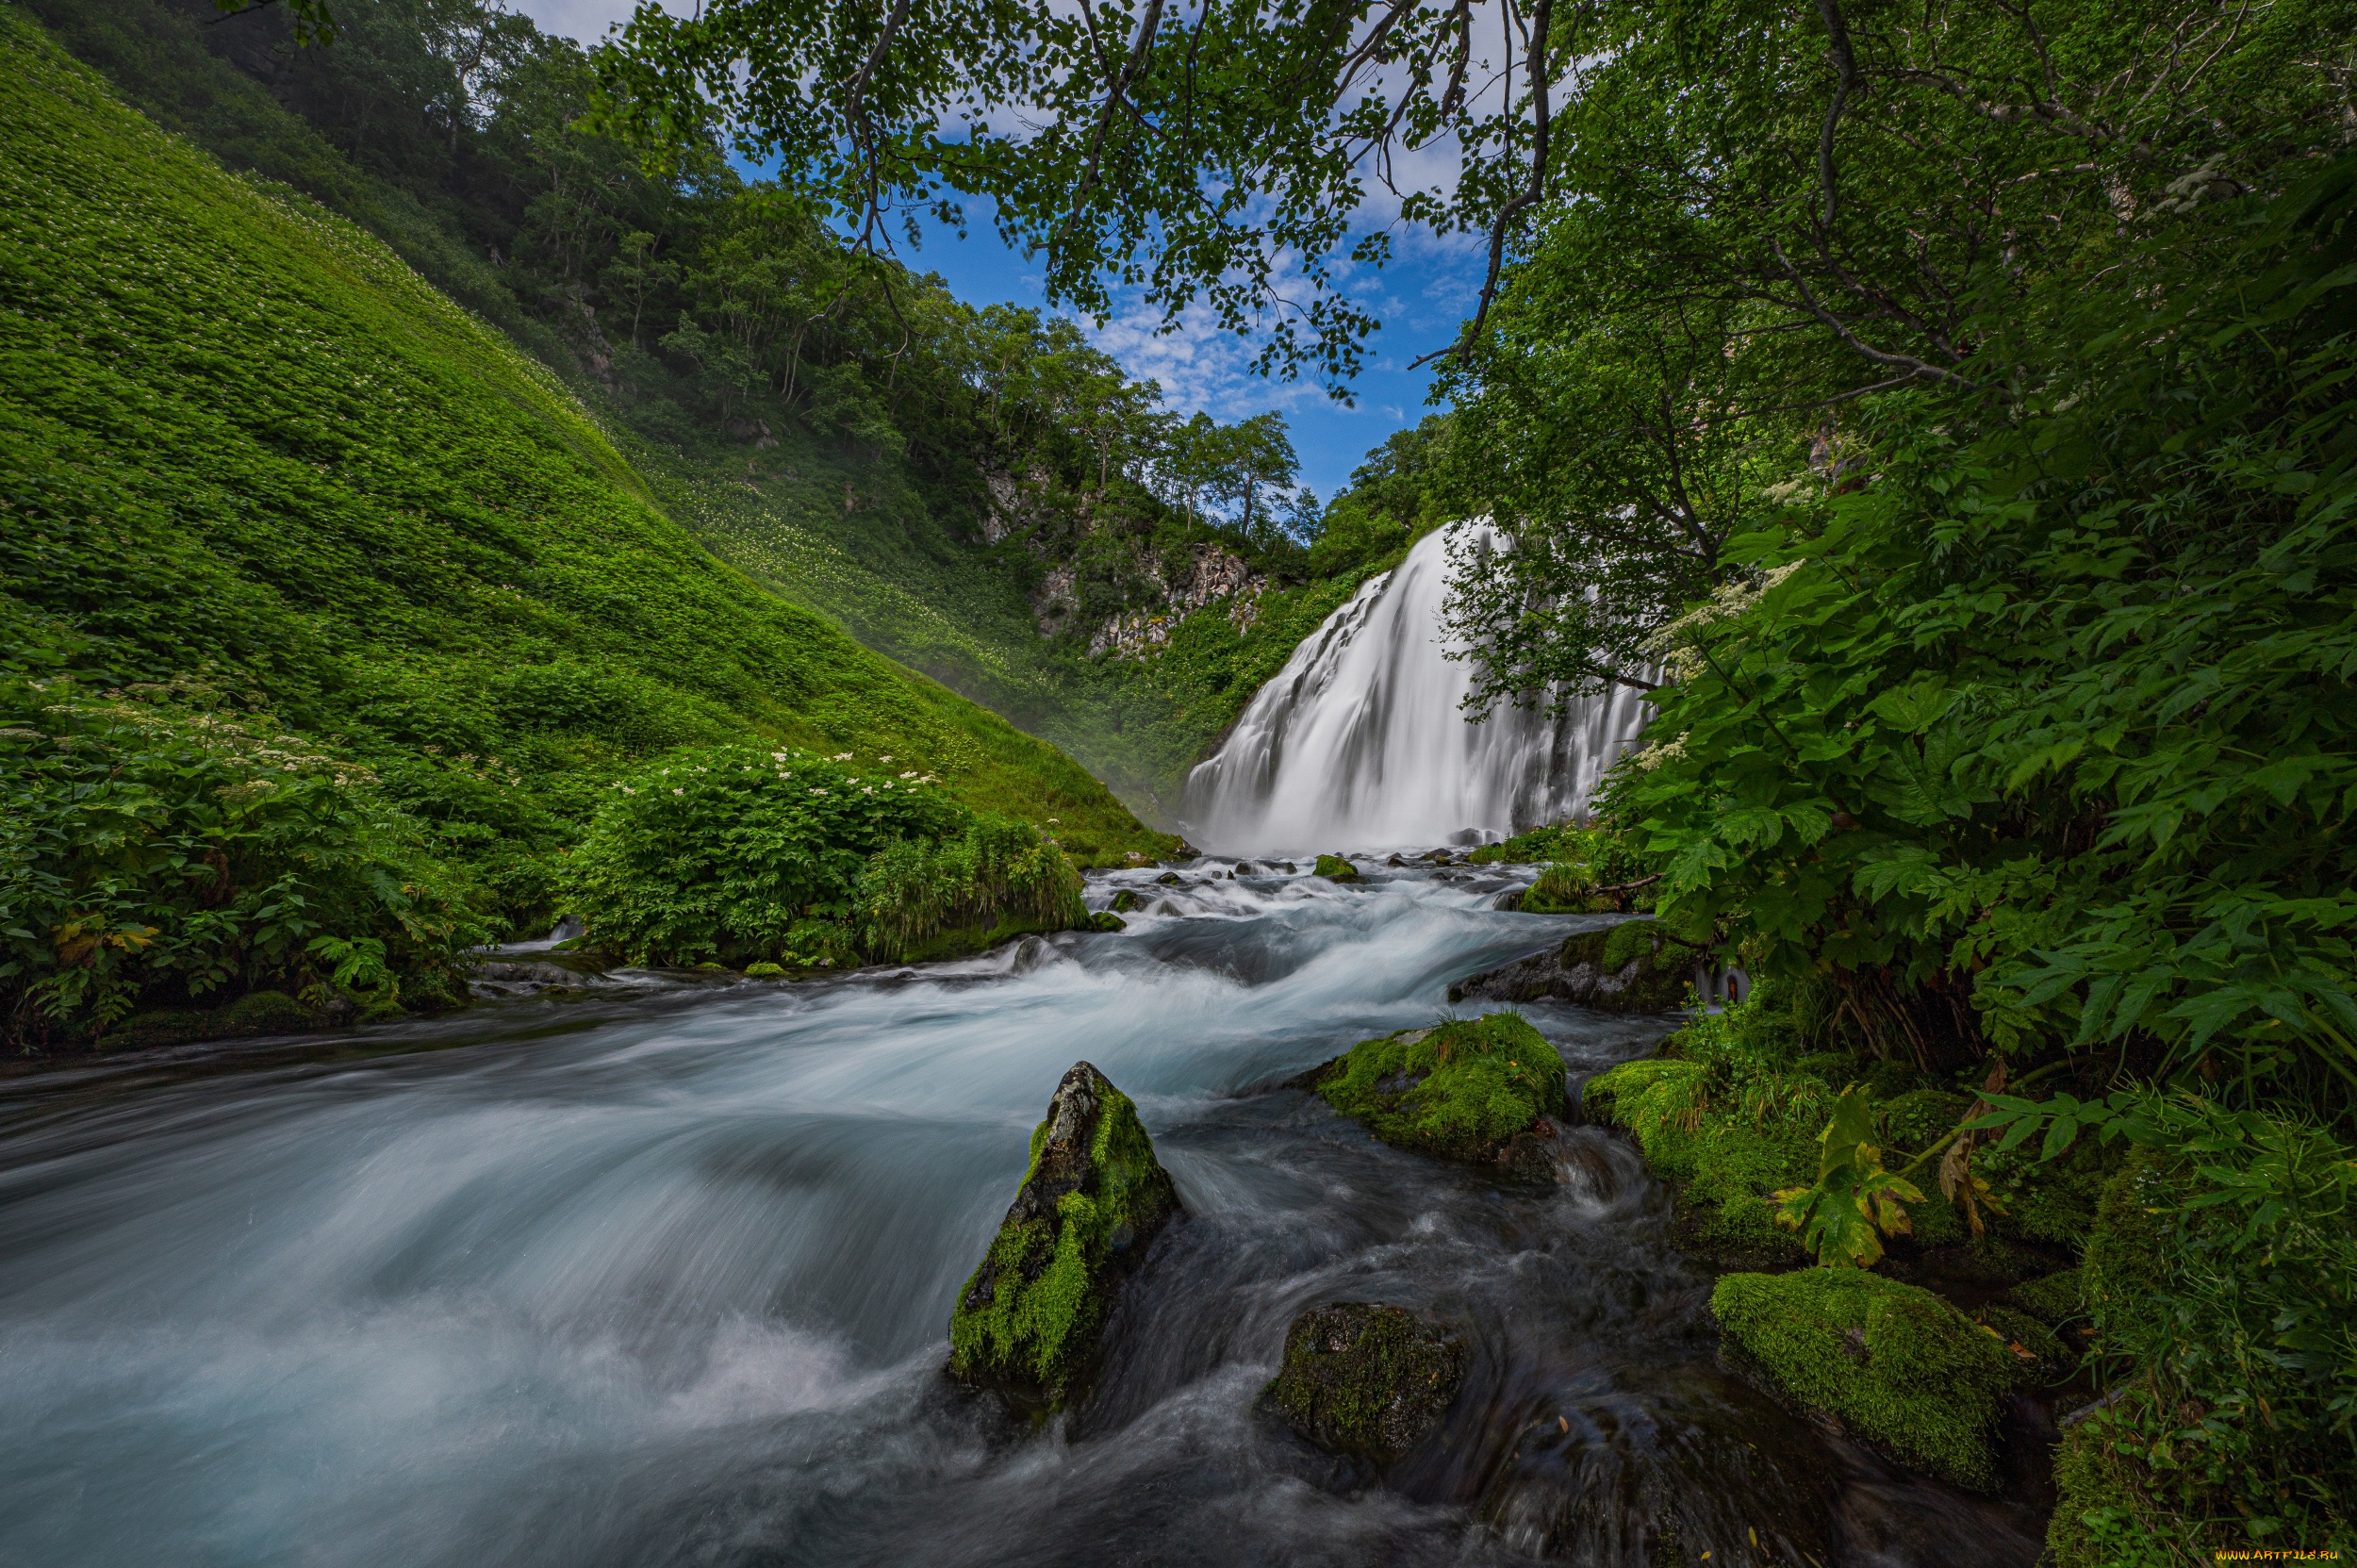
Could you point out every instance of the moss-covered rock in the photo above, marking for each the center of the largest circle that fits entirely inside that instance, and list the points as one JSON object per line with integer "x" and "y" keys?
{"x": 1105, "y": 919}
{"x": 2056, "y": 1299}
{"x": 1633, "y": 966}
{"x": 1027, "y": 1322}
{"x": 764, "y": 970}
{"x": 1474, "y": 1089}
{"x": 1902, "y": 1367}
{"x": 1125, "y": 900}
{"x": 1724, "y": 1164}
{"x": 1335, "y": 868}
{"x": 1368, "y": 1381}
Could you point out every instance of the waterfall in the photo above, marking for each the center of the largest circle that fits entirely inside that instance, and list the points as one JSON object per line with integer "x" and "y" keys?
{"x": 1362, "y": 741}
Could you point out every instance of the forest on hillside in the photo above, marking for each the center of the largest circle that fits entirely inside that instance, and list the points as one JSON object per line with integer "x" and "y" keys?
{"x": 971, "y": 489}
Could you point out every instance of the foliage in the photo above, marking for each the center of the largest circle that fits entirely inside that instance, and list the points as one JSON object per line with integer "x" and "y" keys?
{"x": 1760, "y": 213}
{"x": 1463, "y": 1089}
{"x": 1222, "y": 161}
{"x": 1854, "y": 1201}
{"x": 997, "y": 876}
{"x": 1901, "y": 1367}
{"x": 2221, "y": 1284}
{"x": 236, "y": 432}
{"x": 156, "y": 850}
{"x": 740, "y": 854}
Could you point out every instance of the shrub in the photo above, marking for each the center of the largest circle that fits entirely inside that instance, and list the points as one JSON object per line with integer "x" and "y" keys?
{"x": 997, "y": 875}
{"x": 155, "y": 850}
{"x": 722, "y": 851}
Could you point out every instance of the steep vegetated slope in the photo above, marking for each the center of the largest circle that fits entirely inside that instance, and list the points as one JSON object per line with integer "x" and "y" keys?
{"x": 253, "y": 464}
{"x": 974, "y": 492}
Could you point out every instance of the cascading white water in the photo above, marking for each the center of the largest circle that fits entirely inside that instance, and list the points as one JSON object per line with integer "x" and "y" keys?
{"x": 1362, "y": 741}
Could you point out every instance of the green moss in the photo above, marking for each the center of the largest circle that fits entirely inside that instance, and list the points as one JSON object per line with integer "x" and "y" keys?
{"x": 1364, "y": 1379}
{"x": 1107, "y": 920}
{"x": 1463, "y": 1090}
{"x": 1125, "y": 900}
{"x": 2048, "y": 1358}
{"x": 1336, "y": 868}
{"x": 1662, "y": 968}
{"x": 1028, "y": 1320}
{"x": 2055, "y": 1299}
{"x": 1921, "y": 1118}
{"x": 2050, "y": 1202}
{"x": 764, "y": 970}
{"x": 2103, "y": 1517}
{"x": 1902, "y": 1367}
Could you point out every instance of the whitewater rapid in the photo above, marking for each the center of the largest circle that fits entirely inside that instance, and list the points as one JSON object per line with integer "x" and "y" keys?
{"x": 1363, "y": 740}
{"x": 666, "y": 1279}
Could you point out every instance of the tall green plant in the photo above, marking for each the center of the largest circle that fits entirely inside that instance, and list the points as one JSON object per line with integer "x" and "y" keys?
{"x": 156, "y": 850}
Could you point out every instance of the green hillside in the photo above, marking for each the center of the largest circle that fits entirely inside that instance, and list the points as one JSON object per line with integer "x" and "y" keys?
{"x": 669, "y": 308}
{"x": 240, "y": 440}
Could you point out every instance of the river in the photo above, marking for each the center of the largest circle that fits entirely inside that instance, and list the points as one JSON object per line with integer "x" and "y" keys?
{"x": 665, "y": 1279}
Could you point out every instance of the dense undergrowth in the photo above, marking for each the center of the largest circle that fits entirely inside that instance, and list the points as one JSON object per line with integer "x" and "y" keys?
{"x": 830, "y": 424}
{"x": 2022, "y": 751}
{"x": 259, "y": 477}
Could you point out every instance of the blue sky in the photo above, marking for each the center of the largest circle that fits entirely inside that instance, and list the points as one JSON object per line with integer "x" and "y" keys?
{"x": 1420, "y": 298}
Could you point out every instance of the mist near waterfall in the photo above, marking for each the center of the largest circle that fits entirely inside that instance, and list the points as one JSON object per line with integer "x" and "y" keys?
{"x": 1363, "y": 740}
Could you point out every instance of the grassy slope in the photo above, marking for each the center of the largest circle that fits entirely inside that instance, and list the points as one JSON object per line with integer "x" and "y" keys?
{"x": 236, "y": 432}
{"x": 896, "y": 571}
{"x": 952, "y": 610}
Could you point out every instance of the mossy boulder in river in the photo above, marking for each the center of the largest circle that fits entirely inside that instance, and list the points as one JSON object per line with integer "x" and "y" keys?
{"x": 1476, "y": 1089}
{"x": 1634, "y": 966}
{"x": 1335, "y": 868}
{"x": 1363, "y": 1380}
{"x": 1903, "y": 1368}
{"x": 1028, "y": 1320}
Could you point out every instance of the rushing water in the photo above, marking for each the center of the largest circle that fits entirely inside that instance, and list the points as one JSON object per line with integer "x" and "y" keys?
{"x": 665, "y": 1280}
{"x": 1362, "y": 738}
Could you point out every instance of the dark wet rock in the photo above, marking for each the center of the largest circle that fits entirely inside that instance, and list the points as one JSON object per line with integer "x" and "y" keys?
{"x": 1244, "y": 868}
{"x": 1027, "y": 1322}
{"x": 1634, "y": 966}
{"x": 1512, "y": 903}
{"x": 1439, "y": 857}
{"x": 1335, "y": 868}
{"x": 1395, "y": 861}
{"x": 528, "y": 978}
{"x": 1125, "y": 900}
{"x": 1106, "y": 920}
{"x": 1168, "y": 879}
{"x": 255, "y": 1013}
{"x": 1367, "y": 1380}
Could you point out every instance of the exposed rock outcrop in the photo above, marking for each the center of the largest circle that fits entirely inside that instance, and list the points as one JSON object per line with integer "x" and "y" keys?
{"x": 1366, "y": 1380}
{"x": 1634, "y": 966}
{"x": 1028, "y": 1321}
